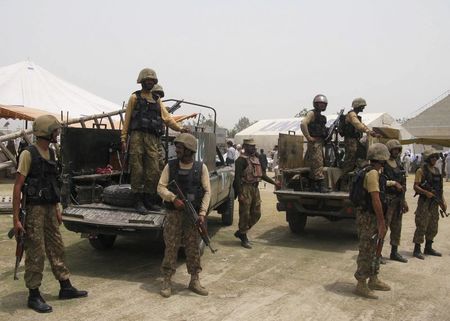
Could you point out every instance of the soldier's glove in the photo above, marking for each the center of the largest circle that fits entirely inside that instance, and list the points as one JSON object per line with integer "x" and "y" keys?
{"x": 179, "y": 204}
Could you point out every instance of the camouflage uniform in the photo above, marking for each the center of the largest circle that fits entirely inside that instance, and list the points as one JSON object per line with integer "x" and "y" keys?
{"x": 366, "y": 223}
{"x": 314, "y": 159}
{"x": 249, "y": 207}
{"x": 351, "y": 148}
{"x": 394, "y": 217}
{"x": 43, "y": 236}
{"x": 144, "y": 162}
{"x": 427, "y": 220}
{"x": 178, "y": 229}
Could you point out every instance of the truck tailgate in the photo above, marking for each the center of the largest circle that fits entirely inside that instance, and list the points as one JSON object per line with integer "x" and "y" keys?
{"x": 289, "y": 193}
{"x": 102, "y": 215}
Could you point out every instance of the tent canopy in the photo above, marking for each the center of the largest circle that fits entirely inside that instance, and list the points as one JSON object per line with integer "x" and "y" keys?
{"x": 29, "y": 85}
{"x": 265, "y": 132}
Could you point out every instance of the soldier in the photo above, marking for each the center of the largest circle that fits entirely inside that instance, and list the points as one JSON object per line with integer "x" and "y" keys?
{"x": 144, "y": 123}
{"x": 395, "y": 196}
{"x": 37, "y": 171}
{"x": 428, "y": 183}
{"x": 157, "y": 92}
{"x": 314, "y": 129}
{"x": 193, "y": 179}
{"x": 370, "y": 221}
{"x": 353, "y": 129}
{"x": 248, "y": 173}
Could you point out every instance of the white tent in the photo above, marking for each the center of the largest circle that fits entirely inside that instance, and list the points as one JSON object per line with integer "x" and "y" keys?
{"x": 265, "y": 132}
{"x": 29, "y": 85}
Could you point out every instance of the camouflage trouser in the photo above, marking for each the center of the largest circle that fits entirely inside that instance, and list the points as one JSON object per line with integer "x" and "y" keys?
{"x": 43, "y": 236}
{"x": 144, "y": 162}
{"x": 427, "y": 220}
{"x": 249, "y": 207}
{"x": 367, "y": 228}
{"x": 394, "y": 219}
{"x": 351, "y": 147}
{"x": 178, "y": 229}
{"x": 314, "y": 159}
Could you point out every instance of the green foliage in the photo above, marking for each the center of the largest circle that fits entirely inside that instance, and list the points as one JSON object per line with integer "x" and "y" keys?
{"x": 301, "y": 113}
{"x": 242, "y": 124}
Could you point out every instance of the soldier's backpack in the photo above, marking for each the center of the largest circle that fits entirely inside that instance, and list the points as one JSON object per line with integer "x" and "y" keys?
{"x": 358, "y": 194}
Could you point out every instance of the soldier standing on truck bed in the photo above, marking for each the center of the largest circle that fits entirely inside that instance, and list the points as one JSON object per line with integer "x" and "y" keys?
{"x": 395, "y": 196}
{"x": 370, "y": 222}
{"x": 143, "y": 126}
{"x": 37, "y": 171}
{"x": 193, "y": 179}
{"x": 248, "y": 174}
{"x": 352, "y": 131}
{"x": 428, "y": 183}
{"x": 314, "y": 129}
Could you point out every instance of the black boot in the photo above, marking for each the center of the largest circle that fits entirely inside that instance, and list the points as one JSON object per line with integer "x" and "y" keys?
{"x": 37, "y": 303}
{"x": 417, "y": 252}
{"x": 244, "y": 240}
{"x": 150, "y": 202}
{"x": 429, "y": 250}
{"x": 395, "y": 256}
{"x": 69, "y": 292}
{"x": 139, "y": 203}
{"x": 322, "y": 187}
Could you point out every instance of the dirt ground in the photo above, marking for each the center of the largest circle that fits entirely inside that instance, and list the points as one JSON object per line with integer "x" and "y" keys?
{"x": 284, "y": 277}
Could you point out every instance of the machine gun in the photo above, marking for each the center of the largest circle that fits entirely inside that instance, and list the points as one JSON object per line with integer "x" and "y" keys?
{"x": 334, "y": 127}
{"x": 434, "y": 199}
{"x": 332, "y": 145}
{"x": 193, "y": 215}
{"x": 20, "y": 238}
{"x": 377, "y": 258}
{"x": 175, "y": 106}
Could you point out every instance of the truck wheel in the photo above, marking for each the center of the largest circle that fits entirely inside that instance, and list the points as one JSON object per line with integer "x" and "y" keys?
{"x": 118, "y": 195}
{"x": 227, "y": 215}
{"x": 102, "y": 241}
{"x": 297, "y": 221}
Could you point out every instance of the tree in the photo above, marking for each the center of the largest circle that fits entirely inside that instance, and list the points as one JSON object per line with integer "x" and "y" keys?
{"x": 242, "y": 124}
{"x": 301, "y": 113}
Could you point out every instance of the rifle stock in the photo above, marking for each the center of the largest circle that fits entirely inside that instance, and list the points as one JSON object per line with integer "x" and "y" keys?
{"x": 189, "y": 208}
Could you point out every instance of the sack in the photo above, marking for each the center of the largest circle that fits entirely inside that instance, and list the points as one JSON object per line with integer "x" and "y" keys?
{"x": 358, "y": 194}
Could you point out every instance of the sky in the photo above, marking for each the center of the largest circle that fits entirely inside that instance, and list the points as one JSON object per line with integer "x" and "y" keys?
{"x": 260, "y": 59}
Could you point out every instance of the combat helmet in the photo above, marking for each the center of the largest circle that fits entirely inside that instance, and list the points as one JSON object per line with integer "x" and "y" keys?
{"x": 158, "y": 90}
{"x": 427, "y": 153}
{"x": 188, "y": 140}
{"x": 146, "y": 73}
{"x": 379, "y": 152}
{"x": 393, "y": 143}
{"x": 358, "y": 102}
{"x": 320, "y": 99}
{"x": 43, "y": 126}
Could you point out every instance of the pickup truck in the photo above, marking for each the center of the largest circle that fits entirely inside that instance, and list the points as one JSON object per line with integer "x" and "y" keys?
{"x": 98, "y": 207}
{"x": 295, "y": 198}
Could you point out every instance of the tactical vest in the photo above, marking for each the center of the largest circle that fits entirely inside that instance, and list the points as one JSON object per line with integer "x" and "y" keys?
{"x": 382, "y": 184}
{"x": 253, "y": 172}
{"x": 394, "y": 174}
{"x": 317, "y": 127}
{"x": 350, "y": 130}
{"x": 42, "y": 179}
{"x": 189, "y": 181}
{"x": 146, "y": 116}
{"x": 432, "y": 181}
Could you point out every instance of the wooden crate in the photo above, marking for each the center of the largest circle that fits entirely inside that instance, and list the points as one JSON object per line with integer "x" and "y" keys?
{"x": 290, "y": 151}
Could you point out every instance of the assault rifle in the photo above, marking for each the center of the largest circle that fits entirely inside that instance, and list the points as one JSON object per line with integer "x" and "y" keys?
{"x": 20, "y": 238}
{"x": 334, "y": 127}
{"x": 124, "y": 164}
{"x": 334, "y": 144}
{"x": 427, "y": 186}
{"x": 377, "y": 258}
{"x": 193, "y": 215}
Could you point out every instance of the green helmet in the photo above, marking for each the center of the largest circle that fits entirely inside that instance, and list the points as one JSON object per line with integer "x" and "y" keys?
{"x": 43, "y": 126}
{"x": 146, "y": 73}
{"x": 188, "y": 140}
{"x": 427, "y": 153}
{"x": 393, "y": 143}
{"x": 158, "y": 90}
{"x": 379, "y": 152}
{"x": 358, "y": 102}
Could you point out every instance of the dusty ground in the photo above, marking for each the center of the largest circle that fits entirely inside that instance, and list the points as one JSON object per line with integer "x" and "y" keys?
{"x": 284, "y": 277}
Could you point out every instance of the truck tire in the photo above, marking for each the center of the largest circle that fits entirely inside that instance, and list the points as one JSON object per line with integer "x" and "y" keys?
{"x": 118, "y": 195}
{"x": 102, "y": 241}
{"x": 297, "y": 221}
{"x": 228, "y": 213}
